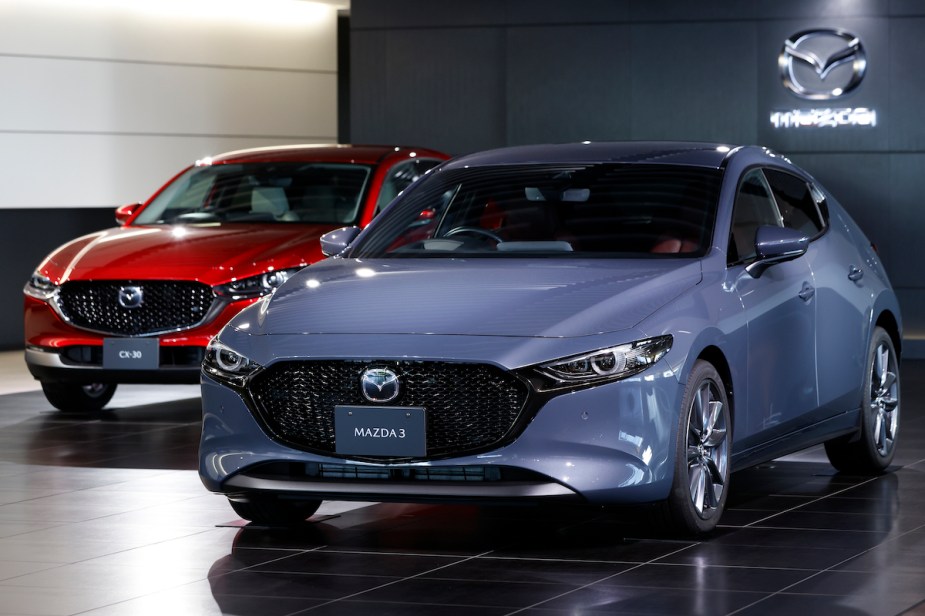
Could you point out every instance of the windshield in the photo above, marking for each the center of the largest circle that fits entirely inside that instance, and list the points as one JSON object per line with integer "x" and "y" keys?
{"x": 601, "y": 210}
{"x": 324, "y": 193}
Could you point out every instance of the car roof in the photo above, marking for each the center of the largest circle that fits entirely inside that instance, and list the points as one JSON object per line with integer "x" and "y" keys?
{"x": 701, "y": 154}
{"x": 341, "y": 153}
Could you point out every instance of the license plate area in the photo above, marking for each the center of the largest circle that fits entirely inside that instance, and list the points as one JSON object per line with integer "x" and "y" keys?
{"x": 131, "y": 354}
{"x": 394, "y": 431}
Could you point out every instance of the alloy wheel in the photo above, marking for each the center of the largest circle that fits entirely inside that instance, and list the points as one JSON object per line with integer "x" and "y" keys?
{"x": 707, "y": 450}
{"x": 884, "y": 398}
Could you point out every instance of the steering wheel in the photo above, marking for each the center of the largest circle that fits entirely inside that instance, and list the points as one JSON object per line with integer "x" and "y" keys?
{"x": 474, "y": 231}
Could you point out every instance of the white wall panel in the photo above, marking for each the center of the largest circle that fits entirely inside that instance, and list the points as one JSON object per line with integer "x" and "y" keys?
{"x": 290, "y": 34}
{"x": 116, "y": 95}
{"x": 43, "y": 94}
{"x": 89, "y": 170}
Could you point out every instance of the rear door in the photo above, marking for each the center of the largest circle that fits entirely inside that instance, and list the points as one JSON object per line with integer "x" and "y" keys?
{"x": 842, "y": 293}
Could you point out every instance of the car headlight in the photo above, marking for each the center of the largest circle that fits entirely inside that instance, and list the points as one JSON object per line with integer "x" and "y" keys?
{"x": 604, "y": 365}
{"x": 227, "y": 365}
{"x": 256, "y": 286}
{"x": 40, "y": 287}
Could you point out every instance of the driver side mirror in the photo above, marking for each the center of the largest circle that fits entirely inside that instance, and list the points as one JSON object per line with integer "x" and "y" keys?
{"x": 776, "y": 245}
{"x": 125, "y": 212}
{"x": 335, "y": 242}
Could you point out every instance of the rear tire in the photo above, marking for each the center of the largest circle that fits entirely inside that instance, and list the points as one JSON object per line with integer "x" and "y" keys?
{"x": 273, "y": 511}
{"x": 77, "y": 398}
{"x": 701, "y": 474}
{"x": 871, "y": 449}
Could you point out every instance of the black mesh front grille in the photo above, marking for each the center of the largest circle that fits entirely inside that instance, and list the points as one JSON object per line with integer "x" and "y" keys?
{"x": 468, "y": 406}
{"x": 165, "y": 305}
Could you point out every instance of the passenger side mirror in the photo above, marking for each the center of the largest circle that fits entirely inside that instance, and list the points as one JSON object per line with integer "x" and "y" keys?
{"x": 335, "y": 242}
{"x": 776, "y": 245}
{"x": 125, "y": 212}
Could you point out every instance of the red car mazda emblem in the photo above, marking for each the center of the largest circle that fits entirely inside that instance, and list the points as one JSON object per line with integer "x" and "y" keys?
{"x": 130, "y": 297}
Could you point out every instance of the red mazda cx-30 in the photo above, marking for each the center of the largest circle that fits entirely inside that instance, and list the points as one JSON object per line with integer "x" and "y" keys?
{"x": 140, "y": 302}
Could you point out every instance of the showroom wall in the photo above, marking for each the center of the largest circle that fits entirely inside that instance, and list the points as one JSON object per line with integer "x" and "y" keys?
{"x": 507, "y": 72}
{"x": 104, "y": 100}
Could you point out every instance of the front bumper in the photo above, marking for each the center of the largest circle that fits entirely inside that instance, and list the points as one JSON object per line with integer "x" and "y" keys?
{"x": 405, "y": 491}
{"x": 52, "y": 365}
{"x": 57, "y": 351}
{"x": 603, "y": 445}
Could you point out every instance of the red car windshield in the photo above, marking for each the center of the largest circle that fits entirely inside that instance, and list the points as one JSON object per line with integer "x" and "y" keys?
{"x": 599, "y": 210}
{"x": 322, "y": 193}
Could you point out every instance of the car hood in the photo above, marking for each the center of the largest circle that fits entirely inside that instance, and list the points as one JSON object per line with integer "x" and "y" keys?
{"x": 505, "y": 297}
{"x": 212, "y": 254}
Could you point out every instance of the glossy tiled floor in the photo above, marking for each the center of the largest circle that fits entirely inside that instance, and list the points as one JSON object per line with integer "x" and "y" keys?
{"x": 106, "y": 515}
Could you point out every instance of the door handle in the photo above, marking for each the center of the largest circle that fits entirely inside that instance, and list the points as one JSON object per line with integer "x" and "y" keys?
{"x": 807, "y": 292}
{"x": 855, "y": 273}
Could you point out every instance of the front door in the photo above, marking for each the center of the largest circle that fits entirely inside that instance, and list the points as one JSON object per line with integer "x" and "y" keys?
{"x": 780, "y": 309}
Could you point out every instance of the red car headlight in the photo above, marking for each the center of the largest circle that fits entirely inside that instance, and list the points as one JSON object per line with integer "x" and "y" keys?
{"x": 40, "y": 287}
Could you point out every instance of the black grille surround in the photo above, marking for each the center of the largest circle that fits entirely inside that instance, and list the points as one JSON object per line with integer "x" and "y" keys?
{"x": 167, "y": 305}
{"x": 469, "y": 407}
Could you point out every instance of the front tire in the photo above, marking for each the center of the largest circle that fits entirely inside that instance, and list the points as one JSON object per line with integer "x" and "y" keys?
{"x": 273, "y": 511}
{"x": 77, "y": 398}
{"x": 871, "y": 449}
{"x": 701, "y": 475}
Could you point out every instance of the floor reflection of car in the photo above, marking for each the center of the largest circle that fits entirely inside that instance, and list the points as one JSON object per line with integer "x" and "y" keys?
{"x": 139, "y": 303}
{"x": 591, "y": 323}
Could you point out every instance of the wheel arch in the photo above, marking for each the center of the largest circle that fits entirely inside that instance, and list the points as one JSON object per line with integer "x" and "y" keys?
{"x": 715, "y": 356}
{"x": 888, "y": 321}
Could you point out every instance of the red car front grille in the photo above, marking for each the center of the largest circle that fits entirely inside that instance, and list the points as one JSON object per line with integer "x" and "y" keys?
{"x": 164, "y": 305}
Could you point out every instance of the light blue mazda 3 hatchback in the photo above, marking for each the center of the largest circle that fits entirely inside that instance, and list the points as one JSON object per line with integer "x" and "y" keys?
{"x": 598, "y": 323}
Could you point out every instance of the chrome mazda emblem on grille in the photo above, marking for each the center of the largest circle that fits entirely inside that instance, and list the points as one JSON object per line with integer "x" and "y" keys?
{"x": 810, "y": 63}
{"x": 379, "y": 385}
{"x": 130, "y": 297}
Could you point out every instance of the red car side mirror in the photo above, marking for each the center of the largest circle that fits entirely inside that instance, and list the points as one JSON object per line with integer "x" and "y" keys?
{"x": 123, "y": 213}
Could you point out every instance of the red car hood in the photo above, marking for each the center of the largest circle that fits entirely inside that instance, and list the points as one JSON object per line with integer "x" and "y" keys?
{"x": 210, "y": 254}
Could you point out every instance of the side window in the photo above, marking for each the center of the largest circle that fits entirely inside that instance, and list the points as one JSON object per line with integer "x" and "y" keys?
{"x": 795, "y": 201}
{"x": 401, "y": 177}
{"x": 754, "y": 207}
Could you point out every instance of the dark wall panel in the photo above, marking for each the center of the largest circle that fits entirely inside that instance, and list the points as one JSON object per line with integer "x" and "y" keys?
{"x": 907, "y": 222}
{"x": 907, "y": 83}
{"x": 822, "y": 9}
{"x": 373, "y": 14}
{"x": 369, "y": 81}
{"x": 694, "y": 81}
{"x": 425, "y": 13}
{"x": 518, "y": 12}
{"x": 907, "y": 7}
{"x": 441, "y": 87}
{"x": 22, "y": 252}
{"x": 555, "y": 93}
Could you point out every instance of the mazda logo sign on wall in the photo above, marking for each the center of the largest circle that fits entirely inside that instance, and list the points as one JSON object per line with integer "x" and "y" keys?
{"x": 379, "y": 385}
{"x": 822, "y": 64}
{"x": 130, "y": 297}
